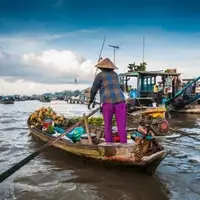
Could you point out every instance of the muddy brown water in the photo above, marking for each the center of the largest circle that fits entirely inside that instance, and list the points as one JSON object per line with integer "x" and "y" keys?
{"x": 58, "y": 175}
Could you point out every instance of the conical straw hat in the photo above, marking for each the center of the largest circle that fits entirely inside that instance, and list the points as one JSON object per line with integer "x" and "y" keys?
{"x": 106, "y": 64}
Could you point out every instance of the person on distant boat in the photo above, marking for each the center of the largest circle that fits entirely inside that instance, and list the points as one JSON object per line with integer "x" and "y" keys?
{"x": 160, "y": 86}
{"x": 155, "y": 88}
{"x": 133, "y": 93}
{"x": 111, "y": 97}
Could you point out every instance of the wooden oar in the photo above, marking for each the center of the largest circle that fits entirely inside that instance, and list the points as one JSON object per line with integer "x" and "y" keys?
{"x": 183, "y": 133}
{"x": 20, "y": 164}
{"x": 87, "y": 129}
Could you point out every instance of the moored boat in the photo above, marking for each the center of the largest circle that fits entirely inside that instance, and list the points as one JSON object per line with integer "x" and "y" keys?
{"x": 186, "y": 101}
{"x": 7, "y": 100}
{"x": 152, "y": 87}
{"x": 45, "y": 99}
{"x": 145, "y": 154}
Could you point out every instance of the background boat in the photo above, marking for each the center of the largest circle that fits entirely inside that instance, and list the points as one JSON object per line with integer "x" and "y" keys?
{"x": 7, "y": 100}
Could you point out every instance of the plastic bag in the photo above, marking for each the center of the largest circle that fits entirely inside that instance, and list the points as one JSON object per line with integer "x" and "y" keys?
{"x": 76, "y": 133}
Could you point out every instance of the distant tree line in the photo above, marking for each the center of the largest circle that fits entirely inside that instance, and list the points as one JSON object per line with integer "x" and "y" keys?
{"x": 69, "y": 93}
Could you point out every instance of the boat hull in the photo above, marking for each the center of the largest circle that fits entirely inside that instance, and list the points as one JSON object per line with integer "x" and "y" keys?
{"x": 45, "y": 101}
{"x": 195, "y": 110}
{"x": 114, "y": 154}
{"x": 7, "y": 102}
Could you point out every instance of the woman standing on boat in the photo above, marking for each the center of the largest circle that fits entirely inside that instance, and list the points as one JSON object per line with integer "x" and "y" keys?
{"x": 111, "y": 97}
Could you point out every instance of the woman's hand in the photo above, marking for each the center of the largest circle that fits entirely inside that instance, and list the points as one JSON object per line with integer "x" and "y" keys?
{"x": 89, "y": 104}
{"x": 93, "y": 105}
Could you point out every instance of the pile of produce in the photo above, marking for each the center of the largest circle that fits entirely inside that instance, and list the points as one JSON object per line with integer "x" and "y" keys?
{"x": 47, "y": 120}
{"x": 39, "y": 116}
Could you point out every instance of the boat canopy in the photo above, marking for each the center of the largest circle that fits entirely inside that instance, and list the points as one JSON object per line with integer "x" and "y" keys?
{"x": 148, "y": 73}
{"x": 146, "y": 80}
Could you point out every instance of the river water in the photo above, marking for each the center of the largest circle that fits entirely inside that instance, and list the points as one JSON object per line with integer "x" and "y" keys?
{"x": 56, "y": 175}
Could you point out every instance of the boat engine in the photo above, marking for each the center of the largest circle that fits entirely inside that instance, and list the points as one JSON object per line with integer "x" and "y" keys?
{"x": 159, "y": 126}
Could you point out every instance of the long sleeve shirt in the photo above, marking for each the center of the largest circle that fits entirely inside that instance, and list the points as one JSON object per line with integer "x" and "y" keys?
{"x": 108, "y": 84}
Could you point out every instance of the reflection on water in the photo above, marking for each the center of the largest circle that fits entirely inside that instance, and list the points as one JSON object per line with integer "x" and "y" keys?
{"x": 57, "y": 175}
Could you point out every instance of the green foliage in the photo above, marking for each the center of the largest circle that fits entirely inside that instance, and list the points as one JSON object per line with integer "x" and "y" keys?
{"x": 50, "y": 129}
{"x": 140, "y": 67}
{"x": 95, "y": 121}
{"x": 68, "y": 93}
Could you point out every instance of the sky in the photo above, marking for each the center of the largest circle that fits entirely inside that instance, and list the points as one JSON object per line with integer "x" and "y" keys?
{"x": 45, "y": 45}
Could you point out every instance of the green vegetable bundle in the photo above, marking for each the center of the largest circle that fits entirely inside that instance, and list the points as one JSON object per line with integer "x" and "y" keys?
{"x": 94, "y": 121}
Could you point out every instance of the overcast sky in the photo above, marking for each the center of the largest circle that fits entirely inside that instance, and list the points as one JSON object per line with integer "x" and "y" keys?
{"x": 46, "y": 44}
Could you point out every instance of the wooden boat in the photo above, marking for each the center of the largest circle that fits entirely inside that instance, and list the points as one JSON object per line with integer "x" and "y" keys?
{"x": 7, "y": 100}
{"x": 44, "y": 99}
{"x": 187, "y": 100}
{"x": 109, "y": 153}
{"x": 143, "y": 96}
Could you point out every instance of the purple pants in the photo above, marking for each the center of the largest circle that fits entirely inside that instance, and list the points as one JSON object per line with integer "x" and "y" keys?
{"x": 119, "y": 109}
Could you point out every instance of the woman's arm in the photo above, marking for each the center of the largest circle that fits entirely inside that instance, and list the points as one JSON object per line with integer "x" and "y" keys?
{"x": 95, "y": 87}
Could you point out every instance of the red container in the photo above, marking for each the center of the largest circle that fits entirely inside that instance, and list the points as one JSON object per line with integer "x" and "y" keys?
{"x": 47, "y": 123}
{"x": 116, "y": 138}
